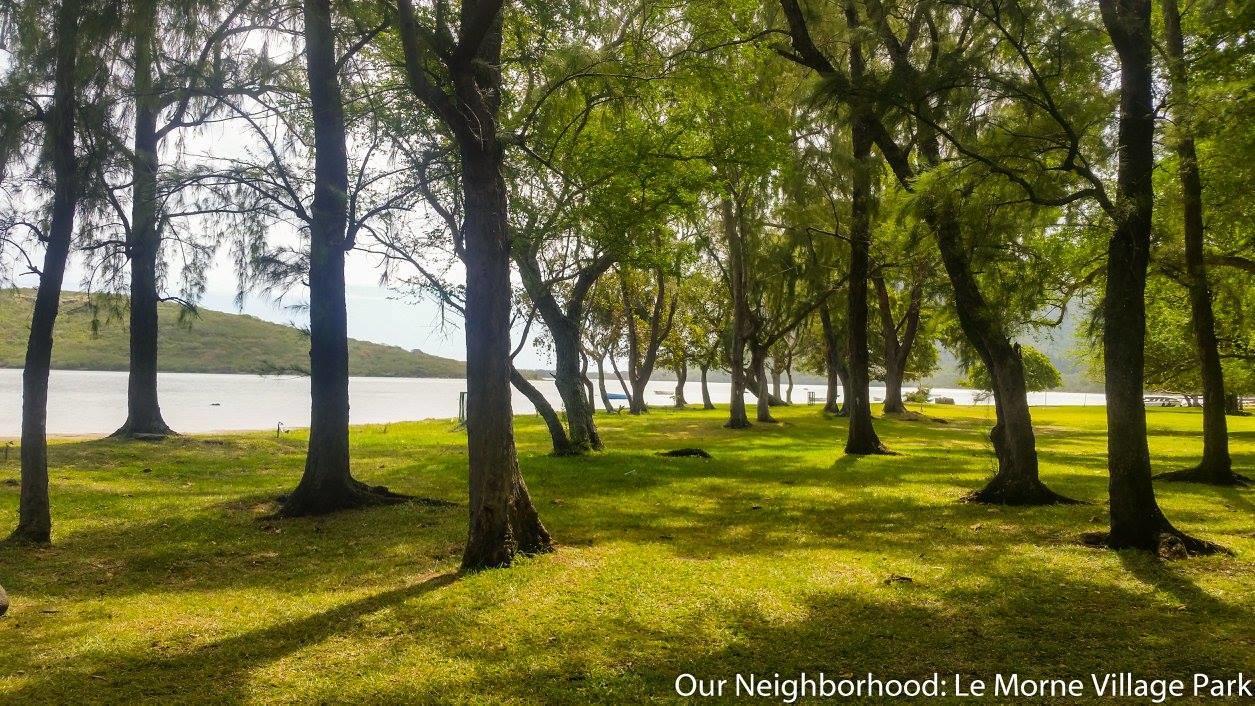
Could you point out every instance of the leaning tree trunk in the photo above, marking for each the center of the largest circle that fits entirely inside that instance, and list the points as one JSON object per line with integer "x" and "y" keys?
{"x": 589, "y": 393}
{"x": 34, "y": 511}
{"x": 1217, "y": 466}
{"x": 143, "y": 418}
{"x": 706, "y": 403}
{"x": 838, "y": 373}
{"x": 327, "y": 484}
{"x": 758, "y": 359}
{"x": 1017, "y": 481}
{"x": 569, "y": 379}
{"x": 503, "y": 521}
{"x": 601, "y": 386}
{"x": 741, "y": 324}
{"x": 562, "y": 445}
{"x": 681, "y": 376}
{"x": 897, "y": 351}
{"x": 861, "y": 437}
{"x": 1136, "y": 519}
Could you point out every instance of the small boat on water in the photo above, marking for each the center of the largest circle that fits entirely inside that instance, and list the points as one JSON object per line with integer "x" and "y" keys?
{"x": 617, "y": 396}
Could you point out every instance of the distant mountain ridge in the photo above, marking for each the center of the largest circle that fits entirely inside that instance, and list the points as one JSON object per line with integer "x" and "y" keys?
{"x": 202, "y": 342}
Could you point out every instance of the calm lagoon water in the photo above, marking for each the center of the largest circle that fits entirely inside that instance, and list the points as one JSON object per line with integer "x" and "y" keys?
{"x": 91, "y": 402}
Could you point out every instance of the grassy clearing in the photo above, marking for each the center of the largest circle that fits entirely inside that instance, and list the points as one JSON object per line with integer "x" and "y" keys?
{"x": 168, "y": 584}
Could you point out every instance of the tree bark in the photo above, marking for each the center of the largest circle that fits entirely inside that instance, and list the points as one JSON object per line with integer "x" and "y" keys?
{"x": 503, "y": 521}
{"x": 706, "y": 403}
{"x": 897, "y": 351}
{"x": 861, "y": 436}
{"x": 564, "y": 329}
{"x": 681, "y": 376}
{"x": 1217, "y": 466}
{"x": 1136, "y": 519}
{"x": 327, "y": 485}
{"x": 838, "y": 373}
{"x": 562, "y": 445}
{"x": 143, "y": 416}
{"x": 601, "y": 385}
{"x": 758, "y": 360}
{"x": 742, "y": 324}
{"x": 34, "y": 510}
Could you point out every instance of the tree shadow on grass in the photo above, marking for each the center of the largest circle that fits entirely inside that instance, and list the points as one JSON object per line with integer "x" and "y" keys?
{"x": 216, "y": 671}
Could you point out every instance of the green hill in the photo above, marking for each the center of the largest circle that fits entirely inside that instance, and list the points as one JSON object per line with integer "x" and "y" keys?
{"x": 204, "y": 342}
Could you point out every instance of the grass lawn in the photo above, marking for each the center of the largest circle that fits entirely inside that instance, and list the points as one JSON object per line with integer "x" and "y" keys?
{"x": 168, "y": 583}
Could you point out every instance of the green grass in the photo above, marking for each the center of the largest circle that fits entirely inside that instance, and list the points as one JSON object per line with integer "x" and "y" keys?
{"x": 170, "y": 585}
{"x": 204, "y": 342}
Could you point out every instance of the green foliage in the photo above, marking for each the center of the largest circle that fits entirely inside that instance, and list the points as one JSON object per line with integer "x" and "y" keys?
{"x": 209, "y": 342}
{"x": 1039, "y": 373}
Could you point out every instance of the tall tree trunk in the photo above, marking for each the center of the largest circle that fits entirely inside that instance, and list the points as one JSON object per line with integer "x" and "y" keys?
{"x": 503, "y": 520}
{"x": 777, "y": 387}
{"x": 601, "y": 385}
{"x": 861, "y": 437}
{"x": 1136, "y": 520}
{"x": 143, "y": 416}
{"x": 34, "y": 511}
{"x": 838, "y": 373}
{"x": 706, "y": 403}
{"x": 1217, "y": 466}
{"x": 788, "y": 395}
{"x": 327, "y": 484}
{"x": 557, "y": 433}
{"x": 758, "y": 360}
{"x": 741, "y": 323}
{"x": 681, "y": 376}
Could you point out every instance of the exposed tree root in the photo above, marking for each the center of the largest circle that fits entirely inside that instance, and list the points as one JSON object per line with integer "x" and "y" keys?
{"x": 1004, "y": 490}
{"x": 26, "y": 537}
{"x": 324, "y": 501}
{"x": 877, "y": 449}
{"x": 1170, "y": 543}
{"x": 1202, "y": 474}
{"x": 738, "y": 424}
{"x": 147, "y": 433}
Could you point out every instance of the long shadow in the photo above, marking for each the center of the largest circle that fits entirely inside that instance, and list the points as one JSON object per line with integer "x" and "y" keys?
{"x": 215, "y": 671}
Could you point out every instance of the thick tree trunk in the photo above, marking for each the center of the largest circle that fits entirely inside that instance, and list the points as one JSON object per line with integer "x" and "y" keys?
{"x": 1136, "y": 519}
{"x": 34, "y": 511}
{"x": 1217, "y": 466}
{"x": 143, "y": 418}
{"x": 777, "y": 386}
{"x": 741, "y": 323}
{"x": 503, "y": 521}
{"x": 706, "y": 403}
{"x": 562, "y": 445}
{"x": 1017, "y": 481}
{"x": 758, "y": 360}
{"x": 681, "y": 376}
{"x": 838, "y": 374}
{"x": 327, "y": 484}
{"x": 861, "y": 437}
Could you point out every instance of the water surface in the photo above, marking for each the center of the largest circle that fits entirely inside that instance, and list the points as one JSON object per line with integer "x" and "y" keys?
{"x": 92, "y": 402}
